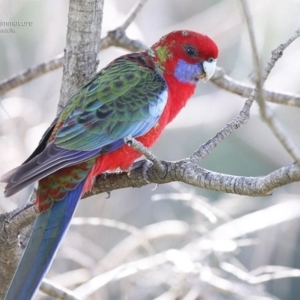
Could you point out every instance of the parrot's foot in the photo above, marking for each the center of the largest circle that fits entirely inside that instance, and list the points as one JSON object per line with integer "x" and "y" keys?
{"x": 104, "y": 175}
{"x": 145, "y": 164}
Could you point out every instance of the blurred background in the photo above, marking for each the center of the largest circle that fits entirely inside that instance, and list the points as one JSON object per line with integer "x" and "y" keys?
{"x": 172, "y": 241}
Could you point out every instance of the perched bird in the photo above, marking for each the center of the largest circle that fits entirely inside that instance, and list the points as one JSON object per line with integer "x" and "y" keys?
{"x": 136, "y": 95}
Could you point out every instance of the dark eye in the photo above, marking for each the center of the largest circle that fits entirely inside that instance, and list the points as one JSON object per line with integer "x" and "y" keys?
{"x": 190, "y": 51}
{"x": 211, "y": 59}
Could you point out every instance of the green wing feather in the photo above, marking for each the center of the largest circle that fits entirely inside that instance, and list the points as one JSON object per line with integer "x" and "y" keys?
{"x": 125, "y": 98}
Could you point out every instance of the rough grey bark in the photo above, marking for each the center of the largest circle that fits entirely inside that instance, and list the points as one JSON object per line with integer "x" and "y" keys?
{"x": 189, "y": 172}
{"x": 83, "y": 40}
{"x": 10, "y": 248}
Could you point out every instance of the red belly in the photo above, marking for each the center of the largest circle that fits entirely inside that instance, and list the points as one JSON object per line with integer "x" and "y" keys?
{"x": 122, "y": 158}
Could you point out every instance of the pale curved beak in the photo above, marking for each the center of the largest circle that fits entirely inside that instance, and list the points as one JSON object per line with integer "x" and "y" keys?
{"x": 209, "y": 68}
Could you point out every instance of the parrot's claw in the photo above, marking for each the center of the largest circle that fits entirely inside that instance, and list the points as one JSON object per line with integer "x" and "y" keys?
{"x": 104, "y": 175}
{"x": 145, "y": 164}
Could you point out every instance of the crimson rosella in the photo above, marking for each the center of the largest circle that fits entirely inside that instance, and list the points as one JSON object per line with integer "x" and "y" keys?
{"x": 136, "y": 95}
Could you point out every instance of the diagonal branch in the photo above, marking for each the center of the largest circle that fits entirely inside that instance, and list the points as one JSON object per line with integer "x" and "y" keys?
{"x": 244, "y": 114}
{"x": 31, "y": 73}
{"x": 265, "y": 111}
{"x": 59, "y": 292}
{"x": 115, "y": 37}
{"x": 133, "y": 13}
{"x": 274, "y": 124}
{"x": 229, "y": 128}
{"x": 138, "y": 146}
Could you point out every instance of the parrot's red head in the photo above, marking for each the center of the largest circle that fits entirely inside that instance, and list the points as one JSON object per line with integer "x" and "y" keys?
{"x": 186, "y": 55}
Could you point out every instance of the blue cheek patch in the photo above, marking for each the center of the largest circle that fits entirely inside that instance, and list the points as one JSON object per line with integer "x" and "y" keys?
{"x": 187, "y": 73}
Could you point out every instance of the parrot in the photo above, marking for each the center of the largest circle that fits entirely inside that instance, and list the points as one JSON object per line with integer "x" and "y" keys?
{"x": 136, "y": 95}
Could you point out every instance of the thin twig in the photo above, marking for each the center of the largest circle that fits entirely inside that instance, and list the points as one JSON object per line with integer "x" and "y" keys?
{"x": 133, "y": 13}
{"x": 258, "y": 220}
{"x": 278, "y": 52}
{"x": 118, "y": 38}
{"x": 277, "y": 272}
{"x": 282, "y": 135}
{"x": 56, "y": 291}
{"x": 243, "y": 117}
{"x": 31, "y": 73}
{"x": 274, "y": 124}
{"x": 225, "y": 82}
{"x": 138, "y": 146}
{"x": 257, "y": 63}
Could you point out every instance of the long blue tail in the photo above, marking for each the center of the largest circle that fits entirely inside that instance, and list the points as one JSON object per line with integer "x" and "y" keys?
{"x": 48, "y": 231}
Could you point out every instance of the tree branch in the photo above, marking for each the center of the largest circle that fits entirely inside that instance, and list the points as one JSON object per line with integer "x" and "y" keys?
{"x": 265, "y": 111}
{"x": 34, "y": 72}
{"x": 133, "y": 13}
{"x": 59, "y": 292}
{"x": 229, "y": 84}
{"x": 244, "y": 115}
{"x": 188, "y": 171}
{"x": 117, "y": 38}
{"x": 229, "y": 128}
